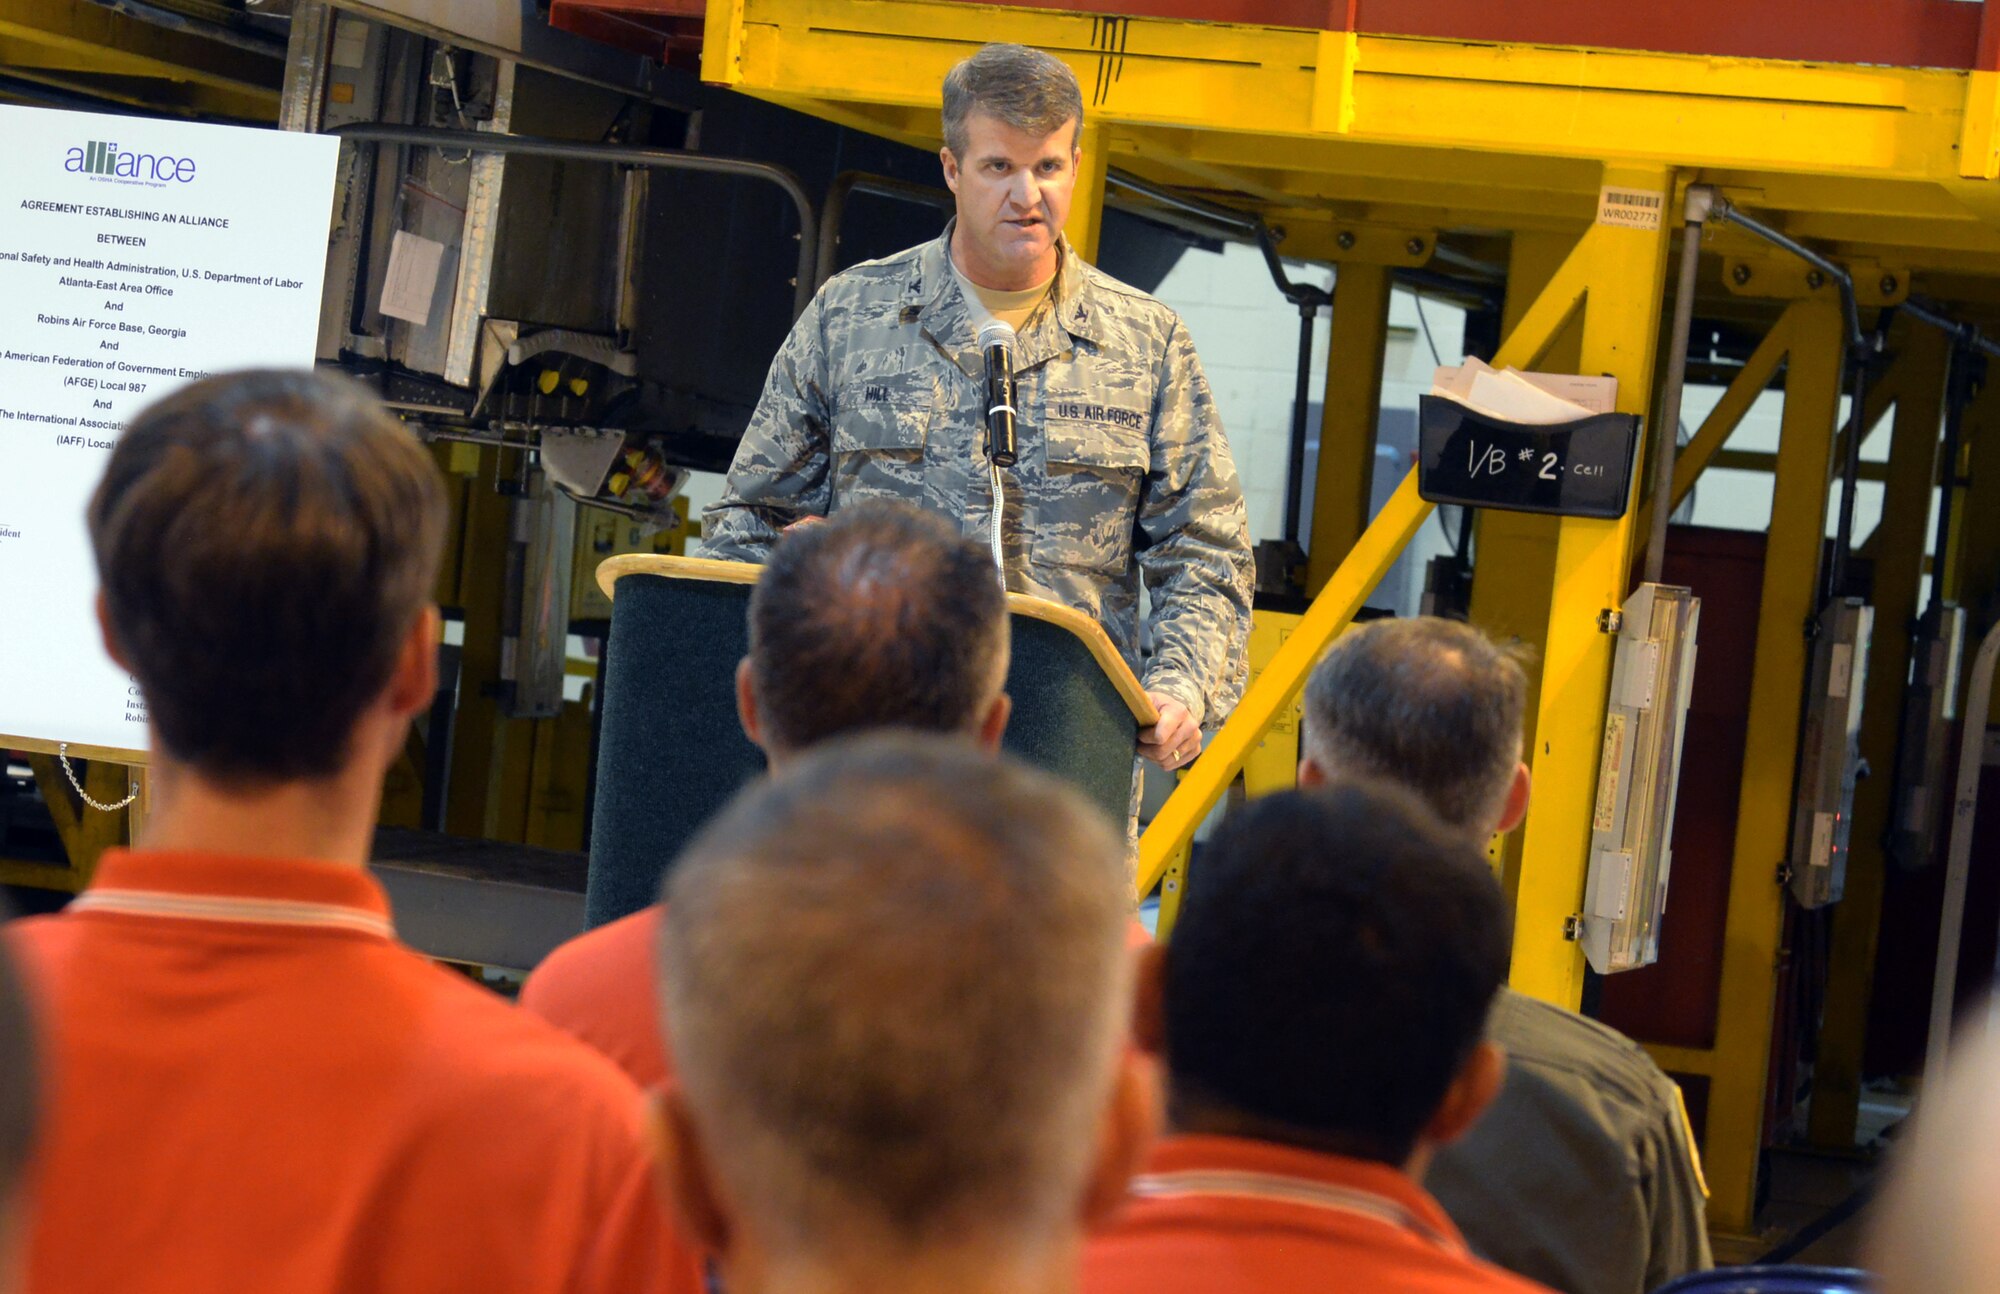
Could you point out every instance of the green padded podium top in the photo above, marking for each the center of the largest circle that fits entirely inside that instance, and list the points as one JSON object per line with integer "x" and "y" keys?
{"x": 671, "y": 751}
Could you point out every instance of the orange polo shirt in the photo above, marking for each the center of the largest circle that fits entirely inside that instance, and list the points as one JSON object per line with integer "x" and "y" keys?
{"x": 601, "y": 987}
{"x": 253, "y": 1086}
{"x": 1227, "y": 1215}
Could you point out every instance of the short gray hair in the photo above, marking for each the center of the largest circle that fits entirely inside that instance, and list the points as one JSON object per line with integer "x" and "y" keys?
{"x": 1029, "y": 90}
{"x": 1429, "y": 703}
{"x": 898, "y": 986}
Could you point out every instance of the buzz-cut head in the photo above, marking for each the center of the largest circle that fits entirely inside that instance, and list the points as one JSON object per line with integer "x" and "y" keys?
{"x": 898, "y": 984}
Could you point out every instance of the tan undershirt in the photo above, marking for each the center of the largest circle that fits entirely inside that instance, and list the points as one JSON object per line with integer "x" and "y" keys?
{"x": 1012, "y": 308}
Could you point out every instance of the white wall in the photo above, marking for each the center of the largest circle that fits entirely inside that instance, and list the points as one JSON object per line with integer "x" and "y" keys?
{"x": 1247, "y": 336}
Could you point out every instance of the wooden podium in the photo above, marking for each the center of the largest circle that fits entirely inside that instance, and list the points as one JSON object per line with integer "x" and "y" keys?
{"x": 671, "y": 750}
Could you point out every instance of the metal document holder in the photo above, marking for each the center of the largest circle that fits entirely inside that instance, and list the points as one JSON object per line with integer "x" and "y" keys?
{"x": 1572, "y": 469}
{"x": 1830, "y": 754}
{"x": 1638, "y": 775}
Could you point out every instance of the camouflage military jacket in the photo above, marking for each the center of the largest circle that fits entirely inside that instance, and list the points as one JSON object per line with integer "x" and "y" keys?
{"x": 1124, "y": 471}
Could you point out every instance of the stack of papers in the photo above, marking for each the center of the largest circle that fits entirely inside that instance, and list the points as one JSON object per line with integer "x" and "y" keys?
{"x": 1533, "y": 399}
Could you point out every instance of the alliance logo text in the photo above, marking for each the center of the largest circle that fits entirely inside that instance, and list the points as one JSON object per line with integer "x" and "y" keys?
{"x": 100, "y": 158}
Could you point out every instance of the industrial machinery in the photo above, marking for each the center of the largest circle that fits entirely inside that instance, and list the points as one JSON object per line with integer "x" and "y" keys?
{"x": 1930, "y": 715}
{"x": 1638, "y": 778}
{"x": 1829, "y": 754}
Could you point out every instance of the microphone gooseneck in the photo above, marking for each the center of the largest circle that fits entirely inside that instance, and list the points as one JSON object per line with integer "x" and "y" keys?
{"x": 996, "y": 346}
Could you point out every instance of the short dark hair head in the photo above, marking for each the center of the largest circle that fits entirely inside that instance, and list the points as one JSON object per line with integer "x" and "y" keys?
{"x": 1029, "y": 90}
{"x": 1332, "y": 968}
{"x": 1433, "y": 705}
{"x": 883, "y": 616}
{"x": 897, "y": 976}
{"x": 19, "y": 1091}
{"x": 265, "y": 540}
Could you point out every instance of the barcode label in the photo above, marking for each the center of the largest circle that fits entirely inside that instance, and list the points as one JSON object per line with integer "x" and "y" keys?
{"x": 1630, "y": 208}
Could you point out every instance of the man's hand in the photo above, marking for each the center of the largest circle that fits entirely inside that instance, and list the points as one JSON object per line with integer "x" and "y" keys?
{"x": 1175, "y": 739}
{"x": 811, "y": 519}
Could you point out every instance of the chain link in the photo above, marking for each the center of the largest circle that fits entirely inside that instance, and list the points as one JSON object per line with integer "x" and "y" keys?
{"x": 62, "y": 754}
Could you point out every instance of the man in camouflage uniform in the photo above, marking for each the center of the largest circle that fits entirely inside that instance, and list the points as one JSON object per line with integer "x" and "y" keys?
{"x": 1124, "y": 472}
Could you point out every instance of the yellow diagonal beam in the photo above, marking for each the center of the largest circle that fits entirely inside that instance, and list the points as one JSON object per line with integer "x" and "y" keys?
{"x": 1728, "y": 412}
{"x": 1377, "y": 549}
{"x": 1273, "y": 692}
{"x": 1698, "y": 455}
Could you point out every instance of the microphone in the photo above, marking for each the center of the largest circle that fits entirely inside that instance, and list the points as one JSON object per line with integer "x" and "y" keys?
{"x": 996, "y": 343}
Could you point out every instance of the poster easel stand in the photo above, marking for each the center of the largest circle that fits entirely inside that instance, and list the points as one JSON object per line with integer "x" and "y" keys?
{"x": 101, "y": 773}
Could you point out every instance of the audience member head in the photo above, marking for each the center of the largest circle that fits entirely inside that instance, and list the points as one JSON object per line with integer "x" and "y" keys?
{"x": 267, "y": 544}
{"x": 1931, "y": 1230}
{"x": 1328, "y": 981}
{"x": 883, "y": 616}
{"x": 18, "y": 1104}
{"x": 897, "y": 975}
{"x": 1432, "y": 705}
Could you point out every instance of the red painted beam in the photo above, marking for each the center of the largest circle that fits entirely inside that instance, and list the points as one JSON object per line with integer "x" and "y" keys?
{"x": 1988, "y": 56}
{"x": 1899, "y": 33}
{"x": 657, "y": 29}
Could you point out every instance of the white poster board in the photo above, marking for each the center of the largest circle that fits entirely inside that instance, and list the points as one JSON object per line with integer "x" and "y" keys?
{"x": 135, "y": 256}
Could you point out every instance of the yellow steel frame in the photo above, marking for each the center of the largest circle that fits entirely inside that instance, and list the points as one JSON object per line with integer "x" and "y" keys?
{"x": 1273, "y": 764}
{"x": 1864, "y": 158}
{"x": 1626, "y": 268}
{"x": 1617, "y": 276}
{"x": 1705, "y": 449}
{"x": 1898, "y": 556}
{"x": 1348, "y": 416}
{"x": 1887, "y": 169}
{"x": 1737, "y": 1064}
{"x": 1087, "y": 203}
{"x": 1515, "y": 575}
{"x": 484, "y": 784}
{"x": 511, "y": 779}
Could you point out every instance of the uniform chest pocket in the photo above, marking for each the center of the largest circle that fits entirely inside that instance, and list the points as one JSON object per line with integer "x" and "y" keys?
{"x": 878, "y": 452}
{"x": 1089, "y": 498}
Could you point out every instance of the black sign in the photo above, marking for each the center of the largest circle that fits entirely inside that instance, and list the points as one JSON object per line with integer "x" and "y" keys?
{"x": 1573, "y": 469}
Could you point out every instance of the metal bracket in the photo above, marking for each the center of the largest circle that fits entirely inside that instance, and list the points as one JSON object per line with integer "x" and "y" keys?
{"x": 1780, "y": 277}
{"x": 1573, "y": 928}
{"x": 1610, "y": 620}
{"x": 1311, "y": 236}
